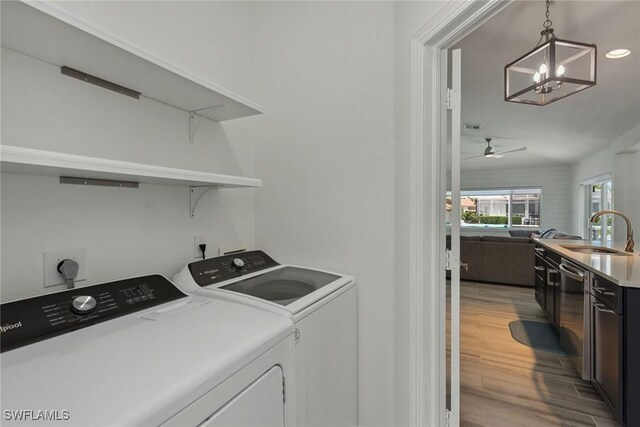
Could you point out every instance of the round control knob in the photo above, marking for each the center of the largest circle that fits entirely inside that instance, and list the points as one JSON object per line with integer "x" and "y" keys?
{"x": 83, "y": 305}
{"x": 237, "y": 263}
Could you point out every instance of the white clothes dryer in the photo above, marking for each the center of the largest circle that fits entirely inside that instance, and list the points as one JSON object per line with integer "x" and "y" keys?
{"x": 323, "y": 306}
{"x": 139, "y": 352}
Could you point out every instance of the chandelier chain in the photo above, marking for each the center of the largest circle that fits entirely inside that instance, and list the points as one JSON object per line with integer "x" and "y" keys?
{"x": 547, "y": 24}
{"x": 547, "y": 33}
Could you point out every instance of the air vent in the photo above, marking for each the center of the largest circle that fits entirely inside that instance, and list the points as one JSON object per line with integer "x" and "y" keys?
{"x": 471, "y": 126}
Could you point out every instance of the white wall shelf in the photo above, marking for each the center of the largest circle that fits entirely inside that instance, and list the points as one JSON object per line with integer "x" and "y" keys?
{"x": 45, "y": 32}
{"x": 49, "y": 163}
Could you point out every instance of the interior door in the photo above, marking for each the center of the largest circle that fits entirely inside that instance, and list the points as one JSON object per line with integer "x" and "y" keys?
{"x": 453, "y": 214}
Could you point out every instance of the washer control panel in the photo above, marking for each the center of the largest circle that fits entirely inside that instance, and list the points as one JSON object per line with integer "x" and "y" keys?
{"x": 215, "y": 270}
{"x": 39, "y": 318}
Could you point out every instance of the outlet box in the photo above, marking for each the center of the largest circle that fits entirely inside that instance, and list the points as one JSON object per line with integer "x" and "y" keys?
{"x": 198, "y": 240}
{"x": 232, "y": 249}
{"x": 52, "y": 276}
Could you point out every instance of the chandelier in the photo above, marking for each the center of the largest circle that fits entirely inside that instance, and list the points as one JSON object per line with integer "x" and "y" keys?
{"x": 553, "y": 70}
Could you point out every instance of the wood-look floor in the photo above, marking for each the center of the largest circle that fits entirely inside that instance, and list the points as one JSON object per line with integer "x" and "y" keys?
{"x": 505, "y": 383}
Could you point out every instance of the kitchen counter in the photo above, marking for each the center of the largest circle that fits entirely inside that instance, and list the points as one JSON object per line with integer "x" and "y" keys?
{"x": 623, "y": 270}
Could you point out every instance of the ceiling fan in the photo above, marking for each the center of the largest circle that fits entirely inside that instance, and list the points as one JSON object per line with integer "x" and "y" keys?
{"x": 491, "y": 153}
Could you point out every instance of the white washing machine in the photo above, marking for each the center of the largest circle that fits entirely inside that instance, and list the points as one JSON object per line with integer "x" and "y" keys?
{"x": 323, "y": 306}
{"x": 140, "y": 352}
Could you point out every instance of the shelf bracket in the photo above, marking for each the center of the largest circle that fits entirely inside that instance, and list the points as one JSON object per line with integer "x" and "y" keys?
{"x": 196, "y": 116}
{"x": 196, "y": 193}
{"x": 98, "y": 182}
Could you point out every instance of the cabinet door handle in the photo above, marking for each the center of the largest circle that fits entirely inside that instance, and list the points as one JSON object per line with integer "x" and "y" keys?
{"x": 601, "y": 307}
{"x": 541, "y": 250}
{"x": 538, "y": 268}
{"x": 602, "y": 291}
{"x": 577, "y": 276}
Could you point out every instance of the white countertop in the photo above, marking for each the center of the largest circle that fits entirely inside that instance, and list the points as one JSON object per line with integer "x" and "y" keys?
{"x": 623, "y": 270}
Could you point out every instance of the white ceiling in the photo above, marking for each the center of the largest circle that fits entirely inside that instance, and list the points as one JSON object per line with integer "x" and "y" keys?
{"x": 570, "y": 128}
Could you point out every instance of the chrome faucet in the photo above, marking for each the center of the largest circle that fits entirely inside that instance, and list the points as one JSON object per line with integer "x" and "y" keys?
{"x": 629, "y": 246}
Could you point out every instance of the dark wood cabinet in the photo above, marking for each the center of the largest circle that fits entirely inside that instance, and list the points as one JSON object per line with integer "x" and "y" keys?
{"x": 614, "y": 320}
{"x": 548, "y": 282}
{"x": 631, "y": 357}
{"x": 607, "y": 333}
{"x": 607, "y": 367}
{"x": 551, "y": 286}
{"x": 540, "y": 281}
{"x": 540, "y": 292}
{"x": 615, "y": 348}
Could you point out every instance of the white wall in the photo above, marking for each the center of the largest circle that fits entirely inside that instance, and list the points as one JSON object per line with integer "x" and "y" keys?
{"x": 324, "y": 71}
{"x": 555, "y": 182}
{"x": 600, "y": 163}
{"x": 212, "y": 39}
{"x": 126, "y": 232}
{"x": 626, "y": 177}
{"x": 151, "y": 225}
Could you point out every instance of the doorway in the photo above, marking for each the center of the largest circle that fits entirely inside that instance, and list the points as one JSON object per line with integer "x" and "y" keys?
{"x": 492, "y": 195}
{"x": 428, "y": 148}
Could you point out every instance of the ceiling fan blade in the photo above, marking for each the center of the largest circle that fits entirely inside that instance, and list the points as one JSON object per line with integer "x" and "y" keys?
{"x": 500, "y": 138}
{"x": 473, "y": 157}
{"x": 511, "y": 151}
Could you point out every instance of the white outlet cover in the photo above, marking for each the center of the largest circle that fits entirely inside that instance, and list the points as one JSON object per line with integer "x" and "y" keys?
{"x": 52, "y": 276}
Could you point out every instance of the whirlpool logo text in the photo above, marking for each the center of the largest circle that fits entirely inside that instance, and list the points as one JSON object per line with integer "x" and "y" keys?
{"x": 8, "y": 326}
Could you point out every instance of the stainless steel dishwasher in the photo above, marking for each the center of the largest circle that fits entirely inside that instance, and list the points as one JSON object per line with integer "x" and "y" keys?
{"x": 575, "y": 319}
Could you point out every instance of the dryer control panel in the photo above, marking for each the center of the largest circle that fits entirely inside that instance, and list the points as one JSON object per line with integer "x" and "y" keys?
{"x": 39, "y": 318}
{"x": 218, "y": 269}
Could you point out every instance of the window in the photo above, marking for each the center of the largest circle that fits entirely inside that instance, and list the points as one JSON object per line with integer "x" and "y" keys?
{"x": 499, "y": 208}
{"x": 600, "y": 197}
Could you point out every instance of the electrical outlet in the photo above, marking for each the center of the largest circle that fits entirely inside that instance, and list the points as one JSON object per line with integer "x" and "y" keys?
{"x": 52, "y": 276}
{"x": 198, "y": 240}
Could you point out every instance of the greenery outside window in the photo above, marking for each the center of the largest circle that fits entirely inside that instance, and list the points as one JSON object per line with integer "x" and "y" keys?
{"x": 498, "y": 208}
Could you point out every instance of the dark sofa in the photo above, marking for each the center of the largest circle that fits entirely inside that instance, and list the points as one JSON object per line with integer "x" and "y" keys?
{"x": 497, "y": 259}
{"x": 502, "y": 259}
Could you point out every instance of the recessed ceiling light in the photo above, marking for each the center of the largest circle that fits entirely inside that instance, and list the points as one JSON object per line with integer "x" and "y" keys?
{"x": 617, "y": 53}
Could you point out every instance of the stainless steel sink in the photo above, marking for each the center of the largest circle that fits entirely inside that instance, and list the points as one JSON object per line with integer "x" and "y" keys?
{"x": 598, "y": 250}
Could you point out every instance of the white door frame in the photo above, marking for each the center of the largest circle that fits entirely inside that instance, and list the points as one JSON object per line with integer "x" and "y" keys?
{"x": 427, "y": 310}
